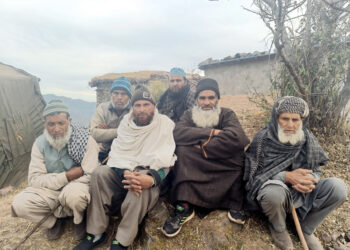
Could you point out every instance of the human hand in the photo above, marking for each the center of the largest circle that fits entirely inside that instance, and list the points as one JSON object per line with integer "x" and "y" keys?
{"x": 301, "y": 180}
{"x": 74, "y": 173}
{"x": 217, "y": 132}
{"x": 197, "y": 146}
{"x": 136, "y": 182}
{"x": 102, "y": 126}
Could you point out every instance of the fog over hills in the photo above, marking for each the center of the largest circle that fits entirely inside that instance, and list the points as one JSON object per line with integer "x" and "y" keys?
{"x": 80, "y": 111}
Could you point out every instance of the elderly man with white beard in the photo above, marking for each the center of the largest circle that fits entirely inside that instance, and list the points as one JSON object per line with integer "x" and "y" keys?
{"x": 62, "y": 159}
{"x": 210, "y": 148}
{"x": 282, "y": 168}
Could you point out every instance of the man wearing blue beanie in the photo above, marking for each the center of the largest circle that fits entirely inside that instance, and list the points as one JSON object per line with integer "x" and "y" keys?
{"x": 108, "y": 115}
{"x": 178, "y": 97}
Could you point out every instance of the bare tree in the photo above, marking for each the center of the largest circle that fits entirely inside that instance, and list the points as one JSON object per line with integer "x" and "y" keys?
{"x": 311, "y": 37}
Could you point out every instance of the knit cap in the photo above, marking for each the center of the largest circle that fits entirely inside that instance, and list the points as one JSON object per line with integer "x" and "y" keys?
{"x": 55, "y": 106}
{"x": 207, "y": 84}
{"x": 142, "y": 93}
{"x": 292, "y": 104}
{"x": 177, "y": 71}
{"x": 122, "y": 83}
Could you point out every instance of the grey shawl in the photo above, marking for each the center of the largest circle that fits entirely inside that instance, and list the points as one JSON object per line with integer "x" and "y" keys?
{"x": 267, "y": 156}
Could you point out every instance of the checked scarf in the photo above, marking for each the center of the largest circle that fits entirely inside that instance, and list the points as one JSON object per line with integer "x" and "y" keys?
{"x": 77, "y": 143}
{"x": 267, "y": 156}
{"x": 174, "y": 105}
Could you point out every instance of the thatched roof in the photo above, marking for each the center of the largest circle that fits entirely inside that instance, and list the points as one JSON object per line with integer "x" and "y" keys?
{"x": 134, "y": 77}
{"x": 137, "y": 77}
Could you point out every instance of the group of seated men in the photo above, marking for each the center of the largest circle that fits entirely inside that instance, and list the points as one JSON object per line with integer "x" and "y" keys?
{"x": 121, "y": 165}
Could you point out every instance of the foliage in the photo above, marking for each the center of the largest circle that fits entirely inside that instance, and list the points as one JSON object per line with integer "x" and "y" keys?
{"x": 311, "y": 38}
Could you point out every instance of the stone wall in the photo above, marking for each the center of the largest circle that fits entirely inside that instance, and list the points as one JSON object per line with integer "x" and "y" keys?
{"x": 242, "y": 77}
{"x": 103, "y": 85}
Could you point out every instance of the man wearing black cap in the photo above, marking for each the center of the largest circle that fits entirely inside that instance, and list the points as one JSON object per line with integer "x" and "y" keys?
{"x": 139, "y": 159}
{"x": 210, "y": 148}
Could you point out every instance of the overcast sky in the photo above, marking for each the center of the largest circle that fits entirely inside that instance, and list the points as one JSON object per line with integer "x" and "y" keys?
{"x": 67, "y": 43}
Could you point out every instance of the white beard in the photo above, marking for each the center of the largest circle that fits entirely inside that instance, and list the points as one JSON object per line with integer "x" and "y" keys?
{"x": 291, "y": 138}
{"x": 205, "y": 118}
{"x": 60, "y": 142}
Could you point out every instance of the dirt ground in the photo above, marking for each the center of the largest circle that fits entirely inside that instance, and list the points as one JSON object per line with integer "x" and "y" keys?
{"x": 254, "y": 234}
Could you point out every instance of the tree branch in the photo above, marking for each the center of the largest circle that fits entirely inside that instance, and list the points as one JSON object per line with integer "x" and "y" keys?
{"x": 332, "y": 5}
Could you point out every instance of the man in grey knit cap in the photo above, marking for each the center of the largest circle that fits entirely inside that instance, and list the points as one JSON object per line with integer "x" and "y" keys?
{"x": 62, "y": 160}
{"x": 282, "y": 168}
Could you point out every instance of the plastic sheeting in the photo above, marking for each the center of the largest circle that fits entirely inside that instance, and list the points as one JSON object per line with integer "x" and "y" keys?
{"x": 21, "y": 107}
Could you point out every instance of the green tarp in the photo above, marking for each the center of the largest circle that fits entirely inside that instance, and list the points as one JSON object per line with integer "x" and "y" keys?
{"x": 21, "y": 106}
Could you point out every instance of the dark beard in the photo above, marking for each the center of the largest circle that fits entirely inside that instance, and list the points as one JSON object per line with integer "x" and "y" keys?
{"x": 140, "y": 122}
{"x": 180, "y": 93}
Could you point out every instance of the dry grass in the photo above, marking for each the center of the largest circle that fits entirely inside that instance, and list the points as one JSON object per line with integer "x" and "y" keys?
{"x": 137, "y": 75}
{"x": 198, "y": 233}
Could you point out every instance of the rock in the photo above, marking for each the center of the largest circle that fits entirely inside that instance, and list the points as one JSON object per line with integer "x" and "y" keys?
{"x": 156, "y": 218}
{"x": 335, "y": 236}
{"x": 326, "y": 237}
{"x": 160, "y": 212}
{"x": 217, "y": 230}
{"x": 347, "y": 236}
{"x": 340, "y": 246}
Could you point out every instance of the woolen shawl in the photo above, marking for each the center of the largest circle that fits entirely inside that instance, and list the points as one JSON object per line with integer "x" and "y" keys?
{"x": 267, "y": 156}
{"x": 152, "y": 145}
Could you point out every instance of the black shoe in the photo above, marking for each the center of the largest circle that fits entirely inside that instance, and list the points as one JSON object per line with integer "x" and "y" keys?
{"x": 173, "y": 225}
{"x": 88, "y": 243}
{"x": 80, "y": 230}
{"x": 236, "y": 216}
{"x": 115, "y": 245}
{"x": 56, "y": 231}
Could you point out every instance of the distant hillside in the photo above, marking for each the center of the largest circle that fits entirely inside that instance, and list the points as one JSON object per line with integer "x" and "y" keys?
{"x": 80, "y": 111}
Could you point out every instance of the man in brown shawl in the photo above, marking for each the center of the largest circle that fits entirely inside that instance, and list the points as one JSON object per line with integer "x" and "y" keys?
{"x": 283, "y": 168}
{"x": 210, "y": 147}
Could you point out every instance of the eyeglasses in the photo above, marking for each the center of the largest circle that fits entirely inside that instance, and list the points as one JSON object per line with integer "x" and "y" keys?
{"x": 176, "y": 80}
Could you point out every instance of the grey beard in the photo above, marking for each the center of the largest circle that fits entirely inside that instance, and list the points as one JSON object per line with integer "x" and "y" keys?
{"x": 60, "y": 142}
{"x": 291, "y": 138}
{"x": 119, "y": 107}
{"x": 205, "y": 118}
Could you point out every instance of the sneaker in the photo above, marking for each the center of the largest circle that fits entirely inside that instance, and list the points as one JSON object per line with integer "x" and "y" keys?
{"x": 236, "y": 216}
{"x": 281, "y": 239}
{"x": 80, "y": 230}
{"x": 115, "y": 245}
{"x": 56, "y": 231}
{"x": 313, "y": 242}
{"x": 88, "y": 244}
{"x": 173, "y": 225}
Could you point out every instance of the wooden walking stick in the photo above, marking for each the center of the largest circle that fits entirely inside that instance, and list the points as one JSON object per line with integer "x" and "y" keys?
{"x": 37, "y": 226}
{"x": 105, "y": 160}
{"x": 298, "y": 227}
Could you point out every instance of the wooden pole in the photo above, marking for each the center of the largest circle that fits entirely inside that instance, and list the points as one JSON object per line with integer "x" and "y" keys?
{"x": 105, "y": 160}
{"x": 298, "y": 227}
{"x": 37, "y": 226}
